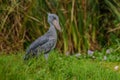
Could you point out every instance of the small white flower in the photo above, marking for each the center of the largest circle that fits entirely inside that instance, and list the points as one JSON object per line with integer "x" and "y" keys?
{"x": 116, "y": 67}
{"x": 108, "y": 51}
{"x": 67, "y": 53}
{"x": 78, "y": 54}
{"x": 105, "y": 58}
{"x": 93, "y": 57}
{"x": 90, "y": 52}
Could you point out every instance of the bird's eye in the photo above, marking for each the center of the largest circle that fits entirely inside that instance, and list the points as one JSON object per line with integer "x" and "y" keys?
{"x": 54, "y": 17}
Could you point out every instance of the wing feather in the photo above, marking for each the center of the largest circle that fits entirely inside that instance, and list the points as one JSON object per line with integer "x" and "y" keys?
{"x": 38, "y": 42}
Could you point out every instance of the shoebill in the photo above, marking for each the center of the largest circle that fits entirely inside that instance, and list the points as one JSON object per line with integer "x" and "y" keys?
{"x": 47, "y": 42}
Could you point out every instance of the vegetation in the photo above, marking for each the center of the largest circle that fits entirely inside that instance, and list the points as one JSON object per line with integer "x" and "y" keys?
{"x": 88, "y": 25}
{"x": 57, "y": 67}
{"x": 92, "y": 24}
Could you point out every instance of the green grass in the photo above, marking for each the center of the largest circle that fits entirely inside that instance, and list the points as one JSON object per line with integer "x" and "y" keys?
{"x": 58, "y": 67}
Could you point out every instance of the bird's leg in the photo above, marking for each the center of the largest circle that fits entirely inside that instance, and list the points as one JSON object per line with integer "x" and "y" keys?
{"x": 46, "y": 56}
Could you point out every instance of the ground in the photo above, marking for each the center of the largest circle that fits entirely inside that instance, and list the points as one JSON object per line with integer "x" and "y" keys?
{"x": 57, "y": 67}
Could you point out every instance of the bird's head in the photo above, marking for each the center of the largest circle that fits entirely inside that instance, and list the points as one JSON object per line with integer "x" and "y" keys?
{"x": 54, "y": 20}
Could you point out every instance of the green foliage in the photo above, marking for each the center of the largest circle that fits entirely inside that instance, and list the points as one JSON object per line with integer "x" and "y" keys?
{"x": 86, "y": 24}
{"x": 114, "y": 6}
{"x": 57, "y": 67}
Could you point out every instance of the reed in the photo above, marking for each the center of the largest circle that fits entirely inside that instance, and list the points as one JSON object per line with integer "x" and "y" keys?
{"x": 86, "y": 24}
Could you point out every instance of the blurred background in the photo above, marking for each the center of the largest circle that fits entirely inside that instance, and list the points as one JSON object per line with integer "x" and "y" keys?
{"x": 86, "y": 24}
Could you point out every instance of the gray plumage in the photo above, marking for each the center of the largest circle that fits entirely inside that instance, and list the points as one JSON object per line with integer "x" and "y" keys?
{"x": 47, "y": 42}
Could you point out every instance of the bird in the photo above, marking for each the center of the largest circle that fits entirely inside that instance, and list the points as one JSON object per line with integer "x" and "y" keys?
{"x": 47, "y": 42}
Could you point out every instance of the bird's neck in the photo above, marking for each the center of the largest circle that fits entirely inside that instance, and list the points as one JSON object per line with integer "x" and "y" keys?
{"x": 52, "y": 30}
{"x": 52, "y": 27}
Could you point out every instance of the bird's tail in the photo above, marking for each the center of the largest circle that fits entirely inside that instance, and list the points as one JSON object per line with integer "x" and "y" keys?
{"x": 26, "y": 56}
